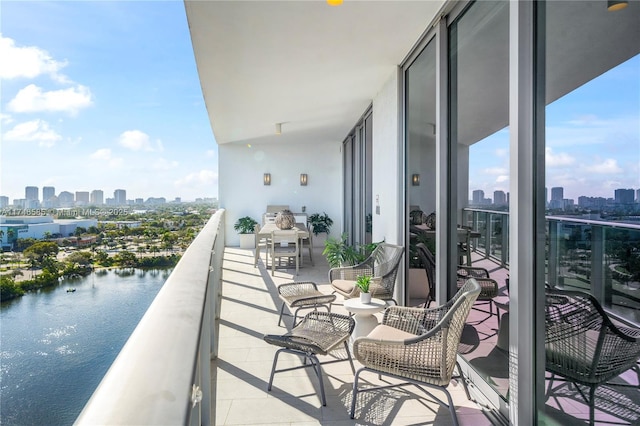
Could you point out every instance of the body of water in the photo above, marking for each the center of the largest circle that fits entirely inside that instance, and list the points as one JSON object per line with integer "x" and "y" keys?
{"x": 56, "y": 345}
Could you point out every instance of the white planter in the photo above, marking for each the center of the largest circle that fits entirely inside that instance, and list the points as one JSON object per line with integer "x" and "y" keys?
{"x": 318, "y": 240}
{"x": 365, "y": 297}
{"x": 247, "y": 241}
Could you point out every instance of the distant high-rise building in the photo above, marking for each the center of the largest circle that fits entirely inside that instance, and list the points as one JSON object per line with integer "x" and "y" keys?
{"x": 31, "y": 193}
{"x": 66, "y": 199}
{"x": 557, "y": 193}
{"x": 97, "y": 197}
{"x": 499, "y": 198}
{"x": 120, "y": 197}
{"x": 4, "y": 201}
{"x": 478, "y": 196}
{"x": 624, "y": 196}
{"x": 82, "y": 198}
{"x": 47, "y": 193}
{"x": 139, "y": 201}
{"x": 637, "y": 195}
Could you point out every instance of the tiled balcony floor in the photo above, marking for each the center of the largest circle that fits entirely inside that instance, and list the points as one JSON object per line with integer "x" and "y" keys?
{"x": 250, "y": 308}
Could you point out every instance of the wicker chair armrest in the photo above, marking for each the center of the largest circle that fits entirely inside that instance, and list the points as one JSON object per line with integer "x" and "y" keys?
{"x": 627, "y": 333}
{"x": 349, "y": 272}
{"x": 416, "y": 321}
{"x": 466, "y": 272}
{"x": 488, "y": 288}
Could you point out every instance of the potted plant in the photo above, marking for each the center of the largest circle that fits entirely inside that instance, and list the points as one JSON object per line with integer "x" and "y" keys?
{"x": 320, "y": 224}
{"x": 246, "y": 228}
{"x": 363, "y": 282}
{"x": 339, "y": 253}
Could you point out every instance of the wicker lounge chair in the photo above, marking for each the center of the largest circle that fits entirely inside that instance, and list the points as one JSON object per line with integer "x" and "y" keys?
{"x": 583, "y": 345}
{"x": 417, "y": 346}
{"x": 488, "y": 285}
{"x": 382, "y": 265}
{"x": 317, "y": 334}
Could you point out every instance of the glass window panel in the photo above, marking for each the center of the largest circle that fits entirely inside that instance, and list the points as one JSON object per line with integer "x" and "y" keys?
{"x": 479, "y": 135}
{"x": 592, "y": 145}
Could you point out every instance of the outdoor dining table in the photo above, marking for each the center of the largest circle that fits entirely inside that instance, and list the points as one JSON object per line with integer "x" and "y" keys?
{"x": 269, "y": 227}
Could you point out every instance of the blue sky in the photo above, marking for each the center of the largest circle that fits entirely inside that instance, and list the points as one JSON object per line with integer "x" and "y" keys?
{"x": 105, "y": 95}
{"x": 102, "y": 95}
{"x": 592, "y": 140}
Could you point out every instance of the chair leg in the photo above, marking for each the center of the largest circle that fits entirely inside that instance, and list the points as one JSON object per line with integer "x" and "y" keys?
{"x": 281, "y": 312}
{"x": 273, "y": 368}
{"x": 592, "y": 404}
{"x": 318, "y": 370}
{"x": 354, "y": 395}
{"x": 346, "y": 347}
{"x": 452, "y": 408}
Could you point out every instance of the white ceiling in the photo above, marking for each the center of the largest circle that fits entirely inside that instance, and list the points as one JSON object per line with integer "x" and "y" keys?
{"x": 316, "y": 68}
{"x": 306, "y": 64}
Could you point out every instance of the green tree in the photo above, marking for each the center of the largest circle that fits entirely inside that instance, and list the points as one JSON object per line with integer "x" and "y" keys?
{"x": 126, "y": 259}
{"x": 42, "y": 249}
{"x": 9, "y": 289}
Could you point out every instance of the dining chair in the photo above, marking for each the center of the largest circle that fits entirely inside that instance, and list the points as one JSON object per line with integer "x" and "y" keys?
{"x": 260, "y": 244}
{"x": 307, "y": 242}
{"x": 284, "y": 243}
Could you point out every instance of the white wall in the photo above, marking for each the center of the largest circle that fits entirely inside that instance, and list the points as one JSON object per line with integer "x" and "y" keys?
{"x": 386, "y": 163}
{"x": 242, "y": 192}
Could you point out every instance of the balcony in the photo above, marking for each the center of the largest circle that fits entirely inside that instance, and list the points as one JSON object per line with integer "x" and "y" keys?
{"x": 174, "y": 371}
{"x": 201, "y": 340}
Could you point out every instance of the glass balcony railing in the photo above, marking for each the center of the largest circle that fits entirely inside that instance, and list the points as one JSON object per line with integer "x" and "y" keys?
{"x": 493, "y": 227}
{"x": 600, "y": 257}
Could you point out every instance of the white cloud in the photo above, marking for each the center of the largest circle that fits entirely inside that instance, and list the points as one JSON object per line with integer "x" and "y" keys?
{"x": 135, "y": 140}
{"x": 101, "y": 154}
{"x": 557, "y": 160}
{"x": 27, "y": 62}
{"x": 5, "y": 119}
{"x": 608, "y": 166}
{"x": 104, "y": 155}
{"x": 501, "y": 152}
{"x": 502, "y": 178}
{"x": 33, "y": 99}
{"x": 162, "y": 164}
{"x": 33, "y": 131}
{"x": 210, "y": 153}
{"x": 202, "y": 177}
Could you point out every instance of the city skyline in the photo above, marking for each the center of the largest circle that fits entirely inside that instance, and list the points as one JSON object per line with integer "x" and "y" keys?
{"x": 96, "y": 92}
{"x": 51, "y": 198}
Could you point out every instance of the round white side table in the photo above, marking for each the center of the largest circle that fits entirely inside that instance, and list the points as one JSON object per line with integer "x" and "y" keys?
{"x": 364, "y": 315}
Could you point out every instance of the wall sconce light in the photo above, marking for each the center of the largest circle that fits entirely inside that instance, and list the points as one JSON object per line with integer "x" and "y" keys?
{"x": 278, "y": 128}
{"x": 415, "y": 180}
{"x": 334, "y": 2}
{"x": 612, "y": 6}
{"x": 267, "y": 179}
{"x": 303, "y": 179}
